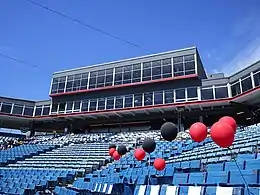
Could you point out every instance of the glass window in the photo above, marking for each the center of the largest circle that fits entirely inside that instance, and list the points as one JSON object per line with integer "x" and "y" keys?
{"x": 93, "y": 74}
{"x": 189, "y": 68}
{"x": 101, "y": 81}
{"x": 69, "y": 86}
{"x": 110, "y": 103}
{"x": 246, "y": 84}
{"x": 54, "y": 108}
{"x": 148, "y": 99}
{"x": 147, "y": 71}
{"x": 76, "y": 85}
{"x": 136, "y": 75}
{"x": 192, "y": 93}
{"x": 62, "y": 107}
{"x": 178, "y": 69}
{"x": 69, "y": 106}
{"x": 221, "y": 92}
{"x": 138, "y": 100}
{"x": 235, "y": 89}
{"x": 167, "y": 71}
{"x": 76, "y": 106}
{"x": 109, "y": 80}
{"x": 54, "y": 88}
{"x": 38, "y": 111}
{"x": 158, "y": 97}
{"x": 207, "y": 94}
{"x": 169, "y": 96}
{"x": 28, "y": 111}
{"x": 180, "y": 95}
{"x": 189, "y": 58}
{"x": 257, "y": 79}
{"x": 177, "y": 60}
{"x": 118, "y": 78}
{"x": 85, "y": 75}
{"x": 147, "y": 74}
{"x": 84, "y": 106}
{"x": 93, "y": 80}
{"x": 84, "y": 84}
{"x": 93, "y": 105}
{"x": 156, "y": 63}
{"x": 119, "y": 102}
{"x": 127, "y": 77}
{"x": 46, "y": 110}
{"x": 156, "y": 73}
{"x": 18, "y": 109}
{"x": 128, "y": 101}
{"x": 6, "y": 108}
{"x": 61, "y": 84}
{"x": 101, "y": 104}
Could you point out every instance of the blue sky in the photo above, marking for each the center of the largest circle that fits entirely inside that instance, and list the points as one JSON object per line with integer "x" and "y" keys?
{"x": 227, "y": 34}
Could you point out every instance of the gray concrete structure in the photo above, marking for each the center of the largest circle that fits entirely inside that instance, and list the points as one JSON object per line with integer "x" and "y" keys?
{"x": 164, "y": 85}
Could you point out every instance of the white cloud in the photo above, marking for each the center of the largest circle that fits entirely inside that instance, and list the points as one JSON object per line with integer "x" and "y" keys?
{"x": 247, "y": 56}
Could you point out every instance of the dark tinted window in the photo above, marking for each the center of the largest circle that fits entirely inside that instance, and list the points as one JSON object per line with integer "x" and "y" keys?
{"x": 76, "y": 105}
{"x": 138, "y": 100}
{"x": 93, "y": 105}
{"x": 192, "y": 92}
{"x": 246, "y": 84}
{"x": 148, "y": 99}
{"x": 221, "y": 92}
{"x": 28, "y": 111}
{"x": 84, "y": 106}
{"x": 257, "y": 79}
{"x": 69, "y": 106}
{"x": 207, "y": 94}
{"x": 128, "y": 101}
{"x": 169, "y": 97}
{"x": 101, "y": 104}
{"x": 180, "y": 95}
{"x": 158, "y": 97}
{"x": 110, "y": 103}
{"x": 235, "y": 89}
{"x": 18, "y": 109}
{"x": 46, "y": 110}
{"x": 38, "y": 111}
{"x": 119, "y": 102}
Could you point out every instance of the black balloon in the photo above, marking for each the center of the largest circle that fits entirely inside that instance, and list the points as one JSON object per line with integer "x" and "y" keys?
{"x": 121, "y": 150}
{"x": 149, "y": 145}
{"x": 169, "y": 131}
{"x": 112, "y": 146}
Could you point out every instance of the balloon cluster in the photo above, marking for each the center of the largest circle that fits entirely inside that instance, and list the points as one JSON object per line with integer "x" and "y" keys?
{"x": 222, "y": 133}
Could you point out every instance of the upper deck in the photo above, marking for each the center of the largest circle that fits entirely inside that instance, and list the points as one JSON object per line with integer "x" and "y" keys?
{"x": 159, "y": 67}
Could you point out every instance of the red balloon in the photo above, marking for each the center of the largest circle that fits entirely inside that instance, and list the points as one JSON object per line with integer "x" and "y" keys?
{"x": 198, "y": 132}
{"x": 139, "y": 154}
{"x": 232, "y": 122}
{"x": 222, "y": 134}
{"x": 116, "y": 156}
{"x": 159, "y": 164}
{"x": 111, "y": 151}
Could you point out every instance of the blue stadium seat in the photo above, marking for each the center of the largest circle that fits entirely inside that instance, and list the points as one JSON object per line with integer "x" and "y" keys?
{"x": 244, "y": 178}
{"x": 180, "y": 179}
{"x": 217, "y": 178}
{"x": 197, "y": 178}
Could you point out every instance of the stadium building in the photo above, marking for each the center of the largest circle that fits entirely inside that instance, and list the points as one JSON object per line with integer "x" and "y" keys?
{"x": 143, "y": 91}
{"x": 123, "y": 103}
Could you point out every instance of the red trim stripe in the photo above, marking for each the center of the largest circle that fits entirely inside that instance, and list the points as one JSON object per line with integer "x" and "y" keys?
{"x": 125, "y": 85}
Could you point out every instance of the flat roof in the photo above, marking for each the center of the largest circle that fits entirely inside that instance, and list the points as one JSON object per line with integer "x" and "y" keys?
{"x": 126, "y": 60}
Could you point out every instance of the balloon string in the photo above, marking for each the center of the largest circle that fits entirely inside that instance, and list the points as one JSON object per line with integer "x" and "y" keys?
{"x": 149, "y": 163}
{"x": 247, "y": 187}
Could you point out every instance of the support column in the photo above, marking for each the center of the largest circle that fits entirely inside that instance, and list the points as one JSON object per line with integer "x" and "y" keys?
{"x": 32, "y": 130}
